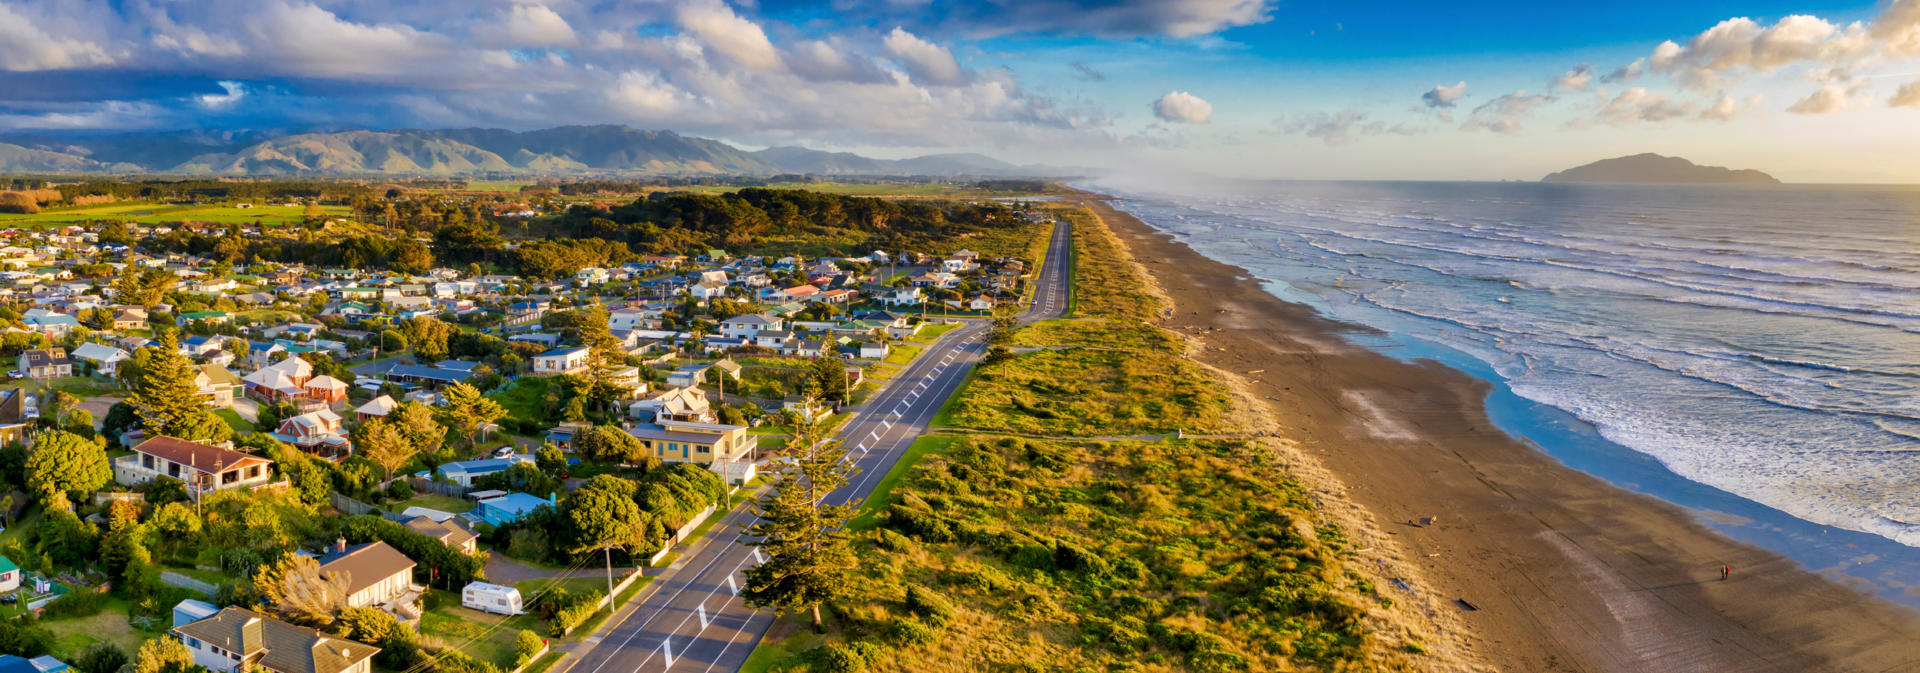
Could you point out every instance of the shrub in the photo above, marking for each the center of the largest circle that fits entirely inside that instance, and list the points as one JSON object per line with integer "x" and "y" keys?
{"x": 908, "y": 631}
{"x": 837, "y": 658}
{"x": 929, "y": 605}
{"x": 525, "y": 645}
{"x": 75, "y": 604}
{"x": 400, "y": 490}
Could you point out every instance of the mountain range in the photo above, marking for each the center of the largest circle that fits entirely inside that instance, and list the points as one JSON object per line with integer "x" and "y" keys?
{"x": 1653, "y": 168}
{"x": 605, "y": 150}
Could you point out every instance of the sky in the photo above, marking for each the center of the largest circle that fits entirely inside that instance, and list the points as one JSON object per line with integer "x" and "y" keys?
{"x": 1815, "y": 90}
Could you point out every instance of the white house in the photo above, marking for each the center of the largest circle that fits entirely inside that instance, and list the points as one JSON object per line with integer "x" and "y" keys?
{"x": 105, "y": 359}
{"x": 748, "y": 326}
{"x": 242, "y": 640}
{"x": 561, "y": 361}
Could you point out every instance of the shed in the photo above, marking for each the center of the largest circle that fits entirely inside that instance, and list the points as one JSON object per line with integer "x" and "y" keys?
{"x": 189, "y": 611}
{"x": 491, "y": 598}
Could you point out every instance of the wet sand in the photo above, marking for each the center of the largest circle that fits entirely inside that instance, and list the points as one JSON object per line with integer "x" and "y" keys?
{"x": 1568, "y": 572}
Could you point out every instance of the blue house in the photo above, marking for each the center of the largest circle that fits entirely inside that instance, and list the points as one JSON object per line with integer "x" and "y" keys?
{"x": 509, "y": 508}
{"x": 465, "y": 472}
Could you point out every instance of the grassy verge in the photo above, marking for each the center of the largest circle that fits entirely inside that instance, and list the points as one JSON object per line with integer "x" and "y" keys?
{"x": 544, "y": 663}
{"x": 882, "y": 494}
{"x": 904, "y": 354}
{"x": 233, "y": 419}
{"x": 593, "y": 623}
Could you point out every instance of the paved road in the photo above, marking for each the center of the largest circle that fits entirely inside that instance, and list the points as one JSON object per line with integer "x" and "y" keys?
{"x": 694, "y": 621}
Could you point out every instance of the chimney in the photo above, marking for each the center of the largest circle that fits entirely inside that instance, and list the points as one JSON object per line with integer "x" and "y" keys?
{"x": 340, "y": 545}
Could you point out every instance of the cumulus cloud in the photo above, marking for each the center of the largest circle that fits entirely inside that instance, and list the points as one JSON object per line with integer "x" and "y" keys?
{"x": 697, "y": 67}
{"x": 1626, "y": 73}
{"x": 1443, "y": 96}
{"x": 926, "y": 62}
{"x": 716, "y": 26}
{"x": 1726, "y": 109}
{"x": 1574, "y": 80}
{"x": 1827, "y": 100}
{"x": 1505, "y": 114}
{"x": 1101, "y": 18}
{"x": 1182, "y": 107}
{"x": 1339, "y": 128}
{"x": 1639, "y": 105}
{"x": 1907, "y": 96}
{"x": 526, "y": 25}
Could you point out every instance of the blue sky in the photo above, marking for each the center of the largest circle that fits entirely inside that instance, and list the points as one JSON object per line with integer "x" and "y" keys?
{"x": 1822, "y": 91}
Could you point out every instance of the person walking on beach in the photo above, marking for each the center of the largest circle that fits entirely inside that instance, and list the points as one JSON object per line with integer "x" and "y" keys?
{"x": 1724, "y": 572}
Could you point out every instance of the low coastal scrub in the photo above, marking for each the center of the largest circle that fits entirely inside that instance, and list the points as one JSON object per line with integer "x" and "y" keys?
{"x": 1011, "y": 554}
{"x": 1103, "y": 370}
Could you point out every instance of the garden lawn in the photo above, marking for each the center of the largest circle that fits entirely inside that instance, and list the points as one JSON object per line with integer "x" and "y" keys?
{"x": 240, "y": 425}
{"x": 486, "y": 637}
{"x": 526, "y": 398}
{"x": 74, "y": 635}
{"x": 903, "y": 354}
{"x": 444, "y": 503}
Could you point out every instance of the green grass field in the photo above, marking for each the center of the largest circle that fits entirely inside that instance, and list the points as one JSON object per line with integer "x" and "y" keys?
{"x": 883, "y": 492}
{"x": 444, "y": 503}
{"x": 233, "y": 419}
{"x": 152, "y": 213}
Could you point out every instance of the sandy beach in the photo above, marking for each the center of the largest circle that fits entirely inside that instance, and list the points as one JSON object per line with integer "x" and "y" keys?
{"x": 1568, "y": 572}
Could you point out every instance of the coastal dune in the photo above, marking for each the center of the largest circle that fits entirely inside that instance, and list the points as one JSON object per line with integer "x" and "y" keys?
{"x": 1547, "y": 568}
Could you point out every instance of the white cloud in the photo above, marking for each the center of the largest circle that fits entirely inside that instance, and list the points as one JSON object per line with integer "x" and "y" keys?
{"x": 1827, "y": 100}
{"x": 1444, "y": 96}
{"x": 1639, "y": 105}
{"x": 1574, "y": 80}
{"x": 1504, "y": 114}
{"x": 1183, "y": 107}
{"x": 1339, "y": 128}
{"x": 1628, "y": 72}
{"x": 27, "y": 43}
{"x": 715, "y": 25}
{"x": 926, "y": 62}
{"x": 1726, "y": 109}
{"x": 1907, "y": 96}
{"x": 526, "y": 25}
{"x": 1103, "y": 18}
{"x": 217, "y": 101}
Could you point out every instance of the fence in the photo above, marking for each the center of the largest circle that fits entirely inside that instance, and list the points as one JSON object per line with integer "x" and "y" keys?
{"x": 681, "y": 534}
{"x": 179, "y": 580}
{"x": 348, "y": 505}
{"x": 438, "y": 487}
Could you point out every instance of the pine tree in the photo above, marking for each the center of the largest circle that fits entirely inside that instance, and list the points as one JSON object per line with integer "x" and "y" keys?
{"x": 604, "y": 356}
{"x": 165, "y": 396}
{"x": 468, "y": 410}
{"x": 809, "y": 559}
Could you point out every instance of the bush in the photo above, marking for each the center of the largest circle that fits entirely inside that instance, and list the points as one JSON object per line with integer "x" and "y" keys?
{"x": 929, "y": 605}
{"x": 400, "y": 490}
{"x": 527, "y": 644}
{"x": 837, "y": 658}
{"x": 75, "y": 604}
{"x": 908, "y": 631}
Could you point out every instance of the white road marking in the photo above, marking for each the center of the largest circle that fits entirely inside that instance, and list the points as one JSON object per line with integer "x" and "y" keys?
{"x": 666, "y": 648}
{"x": 731, "y": 587}
{"x": 702, "y": 609}
{"x": 759, "y": 557}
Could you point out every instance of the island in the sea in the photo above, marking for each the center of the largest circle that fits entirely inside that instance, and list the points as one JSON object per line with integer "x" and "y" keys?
{"x": 1653, "y": 168}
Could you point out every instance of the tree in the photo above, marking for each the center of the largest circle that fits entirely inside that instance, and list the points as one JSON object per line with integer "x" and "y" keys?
{"x": 809, "y": 559}
{"x": 163, "y": 655}
{"x": 384, "y": 444}
{"x": 831, "y": 375}
{"x": 177, "y": 525}
{"x": 468, "y": 411}
{"x": 294, "y": 587}
{"x": 166, "y": 398}
{"x": 62, "y": 462}
{"x": 100, "y": 657}
{"x": 610, "y": 444}
{"x": 605, "y": 516}
{"x": 416, "y": 422}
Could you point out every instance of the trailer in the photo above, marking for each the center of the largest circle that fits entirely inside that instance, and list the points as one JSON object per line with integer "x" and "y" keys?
{"x": 491, "y": 598}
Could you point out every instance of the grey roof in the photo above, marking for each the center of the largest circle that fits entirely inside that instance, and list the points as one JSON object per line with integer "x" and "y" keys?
{"x": 282, "y": 647}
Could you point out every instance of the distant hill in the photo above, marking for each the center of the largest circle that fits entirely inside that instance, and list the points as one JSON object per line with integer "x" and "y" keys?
{"x": 596, "y": 150}
{"x": 1653, "y": 168}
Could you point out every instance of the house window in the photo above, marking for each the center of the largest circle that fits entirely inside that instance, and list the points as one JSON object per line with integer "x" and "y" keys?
{"x": 173, "y": 470}
{"x": 146, "y": 461}
{"x": 194, "y": 642}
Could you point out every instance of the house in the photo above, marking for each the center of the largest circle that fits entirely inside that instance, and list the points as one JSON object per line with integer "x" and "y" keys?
{"x": 687, "y": 376}
{"x": 679, "y": 404}
{"x": 465, "y": 472}
{"x": 561, "y": 361}
{"x": 237, "y": 639}
{"x": 9, "y": 575}
{"x": 708, "y": 290}
{"x": 806, "y": 348}
{"x": 377, "y": 574}
{"x": 217, "y": 383}
{"x": 905, "y": 296}
{"x": 17, "y": 410}
{"x": 46, "y": 363}
{"x": 316, "y": 432}
{"x": 292, "y": 380}
{"x": 429, "y": 377}
{"x": 195, "y": 346}
{"x": 591, "y": 275}
{"x": 201, "y": 466}
{"x": 378, "y": 407}
{"x": 51, "y": 324}
{"x": 447, "y": 532}
{"x": 208, "y": 317}
{"x": 41, "y": 664}
{"x": 491, "y": 598}
{"x": 775, "y": 340}
{"x": 129, "y": 319}
{"x": 749, "y": 326}
{"x": 874, "y": 350}
{"x": 508, "y": 508}
{"x": 103, "y": 358}
{"x": 628, "y": 318}
{"x": 705, "y": 443}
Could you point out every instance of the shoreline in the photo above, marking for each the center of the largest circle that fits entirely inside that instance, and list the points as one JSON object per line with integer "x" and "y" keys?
{"x": 1569, "y": 572}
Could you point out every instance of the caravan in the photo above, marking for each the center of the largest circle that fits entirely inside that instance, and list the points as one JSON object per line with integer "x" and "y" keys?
{"x": 491, "y": 598}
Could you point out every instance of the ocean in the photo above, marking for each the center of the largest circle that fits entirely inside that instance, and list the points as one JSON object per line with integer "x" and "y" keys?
{"x": 1750, "y": 352}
